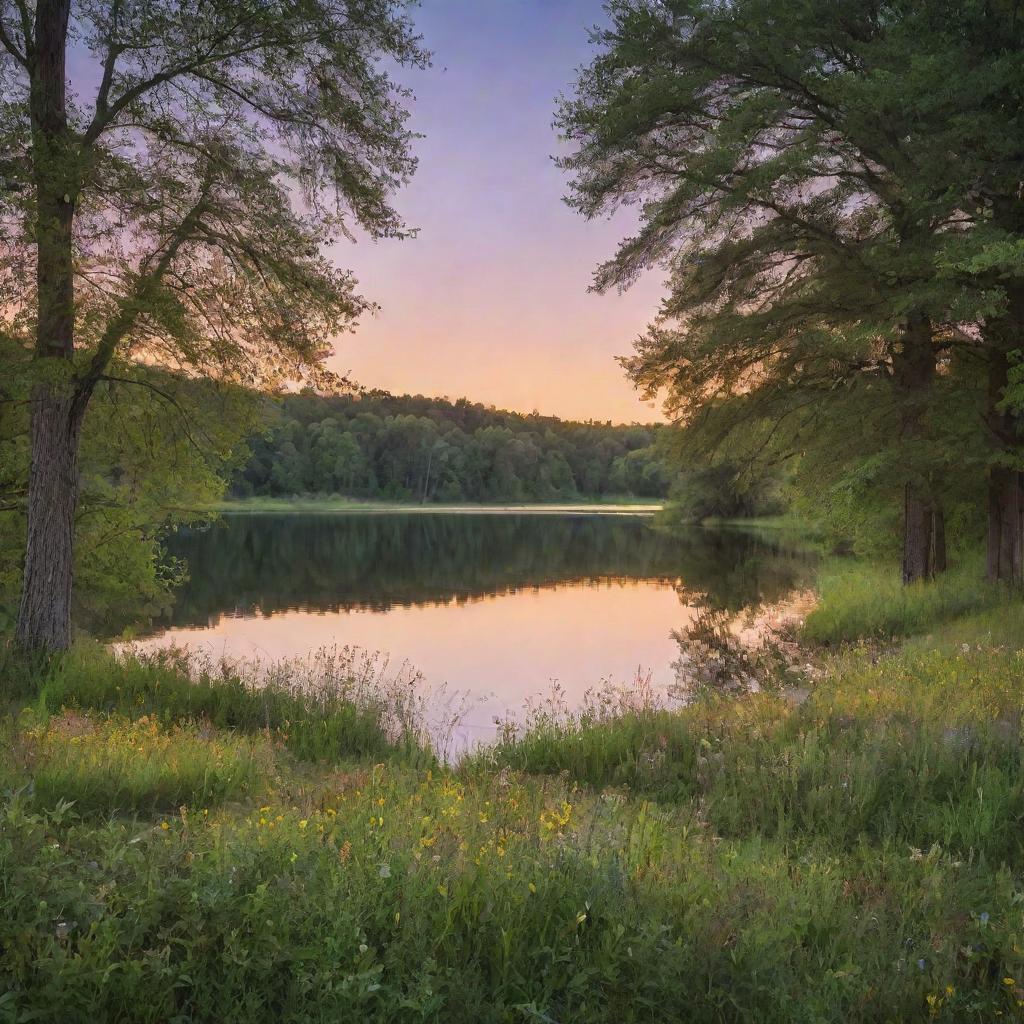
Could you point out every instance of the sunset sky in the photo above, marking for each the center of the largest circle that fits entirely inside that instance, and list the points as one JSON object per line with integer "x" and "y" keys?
{"x": 491, "y": 300}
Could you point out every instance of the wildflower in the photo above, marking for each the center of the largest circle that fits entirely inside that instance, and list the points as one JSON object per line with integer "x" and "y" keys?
{"x": 303, "y": 823}
{"x": 164, "y": 825}
{"x": 1009, "y": 981}
{"x": 532, "y": 888}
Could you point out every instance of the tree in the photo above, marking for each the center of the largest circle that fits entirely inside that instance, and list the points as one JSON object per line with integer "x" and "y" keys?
{"x": 143, "y": 473}
{"x": 178, "y": 214}
{"x": 801, "y": 172}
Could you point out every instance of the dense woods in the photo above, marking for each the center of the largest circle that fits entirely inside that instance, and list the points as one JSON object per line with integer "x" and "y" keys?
{"x": 377, "y": 445}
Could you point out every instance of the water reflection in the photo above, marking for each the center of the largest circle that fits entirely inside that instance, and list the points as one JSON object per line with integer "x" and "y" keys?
{"x": 499, "y": 607}
{"x": 262, "y": 564}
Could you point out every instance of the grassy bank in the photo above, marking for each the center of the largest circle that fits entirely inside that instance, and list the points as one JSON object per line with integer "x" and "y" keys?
{"x": 206, "y": 849}
{"x": 868, "y": 601}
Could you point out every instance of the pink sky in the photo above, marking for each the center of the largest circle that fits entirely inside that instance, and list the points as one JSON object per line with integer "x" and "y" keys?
{"x": 490, "y": 301}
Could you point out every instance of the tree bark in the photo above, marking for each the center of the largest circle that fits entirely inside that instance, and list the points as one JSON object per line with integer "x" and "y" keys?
{"x": 58, "y": 401}
{"x": 924, "y": 532}
{"x": 44, "y": 616}
{"x": 924, "y": 536}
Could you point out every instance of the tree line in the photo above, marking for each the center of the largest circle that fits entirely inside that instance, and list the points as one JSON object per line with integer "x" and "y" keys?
{"x": 835, "y": 192}
{"x": 412, "y": 448}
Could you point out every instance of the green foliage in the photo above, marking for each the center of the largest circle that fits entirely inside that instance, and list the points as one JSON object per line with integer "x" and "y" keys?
{"x": 867, "y": 601}
{"x": 202, "y": 161}
{"x": 108, "y": 766}
{"x": 155, "y": 450}
{"x": 920, "y": 749}
{"x": 725, "y": 491}
{"x": 412, "y": 448}
{"x": 837, "y": 208}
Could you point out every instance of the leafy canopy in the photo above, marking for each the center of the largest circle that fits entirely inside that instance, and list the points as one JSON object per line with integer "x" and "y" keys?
{"x": 211, "y": 150}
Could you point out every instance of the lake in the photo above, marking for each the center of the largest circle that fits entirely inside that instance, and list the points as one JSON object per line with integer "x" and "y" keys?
{"x": 499, "y": 607}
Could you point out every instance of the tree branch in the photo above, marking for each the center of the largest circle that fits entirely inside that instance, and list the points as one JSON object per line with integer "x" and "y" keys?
{"x": 171, "y": 400}
{"x": 126, "y": 317}
{"x": 11, "y": 47}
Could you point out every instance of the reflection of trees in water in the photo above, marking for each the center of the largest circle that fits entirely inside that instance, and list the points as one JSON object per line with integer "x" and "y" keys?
{"x": 265, "y": 563}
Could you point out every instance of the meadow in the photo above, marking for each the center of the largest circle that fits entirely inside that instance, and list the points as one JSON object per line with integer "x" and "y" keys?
{"x": 206, "y": 848}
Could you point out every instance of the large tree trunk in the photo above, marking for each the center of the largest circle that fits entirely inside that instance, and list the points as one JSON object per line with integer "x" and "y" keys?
{"x": 58, "y": 400}
{"x": 924, "y": 533}
{"x": 44, "y": 617}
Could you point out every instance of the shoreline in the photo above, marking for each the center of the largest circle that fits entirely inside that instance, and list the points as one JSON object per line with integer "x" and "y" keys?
{"x": 286, "y": 506}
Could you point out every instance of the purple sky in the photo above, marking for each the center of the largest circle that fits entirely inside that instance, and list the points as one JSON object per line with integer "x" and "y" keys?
{"x": 491, "y": 301}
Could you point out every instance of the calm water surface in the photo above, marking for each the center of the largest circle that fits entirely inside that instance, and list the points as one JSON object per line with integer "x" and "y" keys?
{"x": 499, "y": 607}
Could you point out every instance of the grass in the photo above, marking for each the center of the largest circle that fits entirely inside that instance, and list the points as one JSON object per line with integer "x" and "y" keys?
{"x": 178, "y": 844}
{"x": 329, "y": 709}
{"x": 109, "y": 766}
{"x": 896, "y": 751}
{"x": 864, "y": 600}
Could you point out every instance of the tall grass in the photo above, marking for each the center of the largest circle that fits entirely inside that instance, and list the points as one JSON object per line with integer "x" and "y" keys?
{"x": 865, "y": 600}
{"x": 337, "y": 705}
{"x": 117, "y": 766}
{"x": 921, "y": 748}
{"x": 388, "y": 895}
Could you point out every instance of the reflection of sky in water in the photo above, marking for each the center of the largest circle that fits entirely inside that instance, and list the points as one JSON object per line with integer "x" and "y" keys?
{"x": 496, "y": 607}
{"x": 499, "y": 650}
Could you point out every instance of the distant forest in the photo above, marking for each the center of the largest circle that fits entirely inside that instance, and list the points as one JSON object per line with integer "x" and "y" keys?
{"x": 377, "y": 445}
